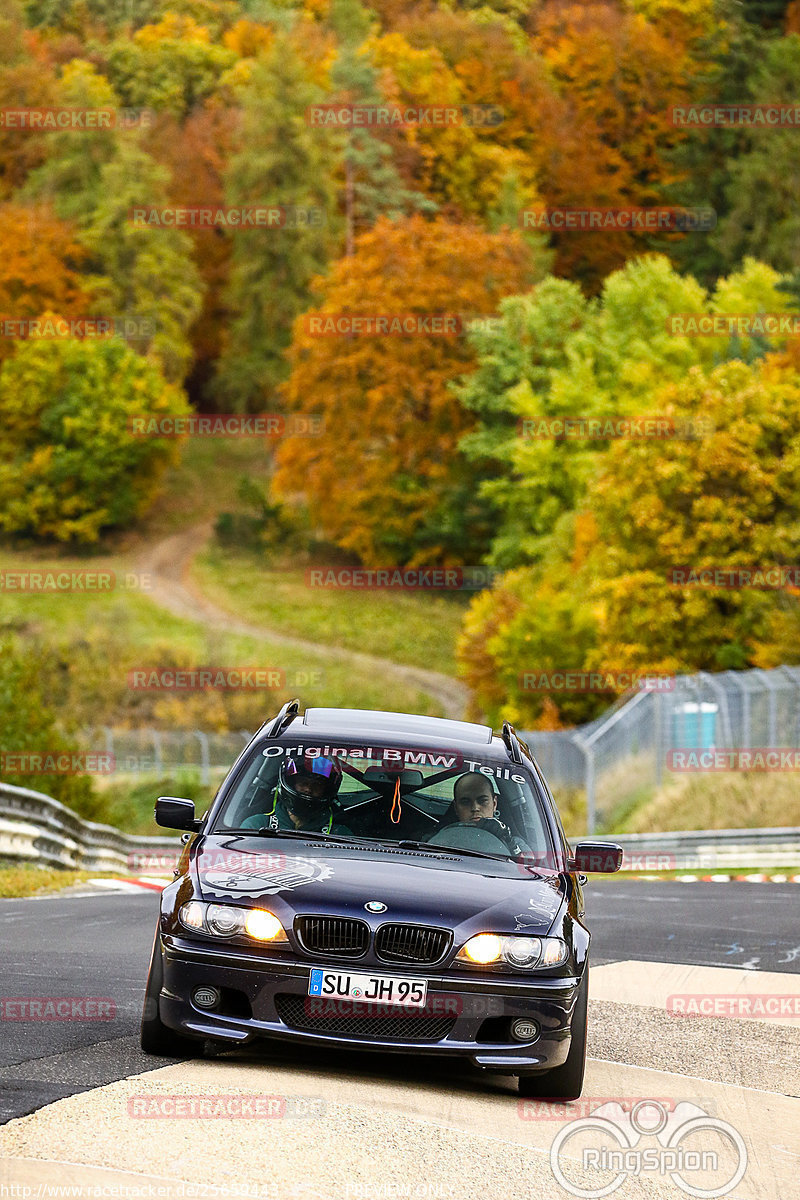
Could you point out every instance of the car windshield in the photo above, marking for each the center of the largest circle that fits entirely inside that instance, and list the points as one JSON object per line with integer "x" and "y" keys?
{"x": 385, "y": 794}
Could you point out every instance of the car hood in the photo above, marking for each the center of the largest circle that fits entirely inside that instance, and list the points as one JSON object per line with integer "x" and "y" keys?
{"x": 292, "y": 877}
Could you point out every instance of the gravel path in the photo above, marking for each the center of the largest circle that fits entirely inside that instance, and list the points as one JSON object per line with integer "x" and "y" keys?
{"x": 168, "y": 563}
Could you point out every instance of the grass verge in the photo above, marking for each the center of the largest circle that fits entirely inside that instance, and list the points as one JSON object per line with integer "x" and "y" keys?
{"x": 18, "y": 880}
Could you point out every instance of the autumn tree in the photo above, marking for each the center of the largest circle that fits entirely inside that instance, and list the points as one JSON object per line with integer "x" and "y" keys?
{"x": 170, "y": 66}
{"x": 553, "y": 354}
{"x": 24, "y": 83}
{"x": 39, "y": 266}
{"x": 71, "y": 465}
{"x": 607, "y": 599}
{"x": 384, "y": 479}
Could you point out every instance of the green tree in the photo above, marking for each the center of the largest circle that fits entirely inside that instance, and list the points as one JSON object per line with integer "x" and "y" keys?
{"x": 280, "y": 160}
{"x": 71, "y": 462}
{"x": 29, "y": 726}
{"x": 172, "y": 66}
{"x": 554, "y": 354}
{"x": 372, "y": 183}
{"x": 142, "y": 272}
{"x": 608, "y": 599}
{"x": 763, "y": 217}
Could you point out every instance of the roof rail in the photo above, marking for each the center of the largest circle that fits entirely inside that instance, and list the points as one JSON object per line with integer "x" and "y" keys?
{"x": 512, "y": 742}
{"x": 290, "y": 710}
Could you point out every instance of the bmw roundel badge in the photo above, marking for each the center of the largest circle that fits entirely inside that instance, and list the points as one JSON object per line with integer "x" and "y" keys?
{"x": 375, "y": 906}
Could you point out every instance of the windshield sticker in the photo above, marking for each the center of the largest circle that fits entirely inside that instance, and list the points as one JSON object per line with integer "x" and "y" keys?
{"x": 266, "y": 881}
{"x": 387, "y": 756}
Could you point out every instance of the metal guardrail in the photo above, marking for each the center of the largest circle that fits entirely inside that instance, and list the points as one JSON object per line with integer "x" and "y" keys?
{"x": 709, "y": 849}
{"x": 36, "y": 828}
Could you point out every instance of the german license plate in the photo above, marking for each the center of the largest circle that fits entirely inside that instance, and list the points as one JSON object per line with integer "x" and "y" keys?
{"x": 382, "y": 989}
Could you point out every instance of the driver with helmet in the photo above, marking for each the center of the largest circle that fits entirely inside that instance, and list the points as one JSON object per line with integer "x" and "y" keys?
{"x": 304, "y": 797}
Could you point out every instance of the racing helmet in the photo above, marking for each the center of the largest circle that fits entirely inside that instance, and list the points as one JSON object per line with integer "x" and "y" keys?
{"x": 309, "y": 785}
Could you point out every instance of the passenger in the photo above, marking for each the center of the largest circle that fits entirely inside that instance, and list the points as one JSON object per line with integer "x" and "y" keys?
{"x": 303, "y": 798}
{"x": 475, "y": 803}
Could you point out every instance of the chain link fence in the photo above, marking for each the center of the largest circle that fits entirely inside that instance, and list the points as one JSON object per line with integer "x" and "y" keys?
{"x": 631, "y": 748}
{"x": 161, "y": 753}
{"x": 611, "y": 760}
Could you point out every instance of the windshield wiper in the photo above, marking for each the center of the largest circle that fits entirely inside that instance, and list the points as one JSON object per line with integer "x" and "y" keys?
{"x": 309, "y": 834}
{"x": 406, "y": 845}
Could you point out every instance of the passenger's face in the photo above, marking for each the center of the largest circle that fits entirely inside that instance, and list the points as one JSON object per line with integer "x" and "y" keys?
{"x": 474, "y": 800}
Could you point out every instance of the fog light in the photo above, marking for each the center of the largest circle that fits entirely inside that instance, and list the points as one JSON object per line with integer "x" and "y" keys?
{"x": 524, "y": 1031}
{"x": 207, "y": 997}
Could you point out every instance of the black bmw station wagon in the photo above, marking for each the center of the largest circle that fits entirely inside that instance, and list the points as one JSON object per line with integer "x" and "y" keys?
{"x": 384, "y": 881}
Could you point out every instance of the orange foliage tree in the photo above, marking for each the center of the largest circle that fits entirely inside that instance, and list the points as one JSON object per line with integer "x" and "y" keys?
{"x": 39, "y": 262}
{"x": 384, "y": 479}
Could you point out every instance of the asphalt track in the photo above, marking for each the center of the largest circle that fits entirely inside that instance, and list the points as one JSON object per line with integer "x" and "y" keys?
{"x": 378, "y": 1126}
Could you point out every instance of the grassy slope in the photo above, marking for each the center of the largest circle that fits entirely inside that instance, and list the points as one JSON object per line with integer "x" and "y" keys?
{"x": 408, "y": 627}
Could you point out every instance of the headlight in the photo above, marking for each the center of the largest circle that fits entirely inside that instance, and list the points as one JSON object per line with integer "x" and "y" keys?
{"x": 483, "y": 948}
{"x": 264, "y": 926}
{"x": 227, "y": 920}
{"x": 191, "y": 914}
{"x": 520, "y": 952}
{"x": 224, "y": 920}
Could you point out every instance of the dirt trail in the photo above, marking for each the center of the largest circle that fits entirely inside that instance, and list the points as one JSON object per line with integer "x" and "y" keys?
{"x": 168, "y": 563}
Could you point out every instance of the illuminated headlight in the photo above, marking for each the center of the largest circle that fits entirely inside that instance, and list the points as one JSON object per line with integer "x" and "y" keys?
{"x": 264, "y": 926}
{"x": 521, "y": 952}
{"x": 228, "y": 920}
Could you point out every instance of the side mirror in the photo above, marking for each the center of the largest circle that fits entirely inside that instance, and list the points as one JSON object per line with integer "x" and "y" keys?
{"x": 596, "y": 856}
{"x": 176, "y": 813}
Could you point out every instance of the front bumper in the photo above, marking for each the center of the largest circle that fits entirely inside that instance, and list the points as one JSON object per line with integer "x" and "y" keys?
{"x": 267, "y": 997}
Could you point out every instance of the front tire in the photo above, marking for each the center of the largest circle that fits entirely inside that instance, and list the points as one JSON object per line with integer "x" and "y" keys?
{"x": 565, "y": 1082}
{"x": 155, "y": 1037}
